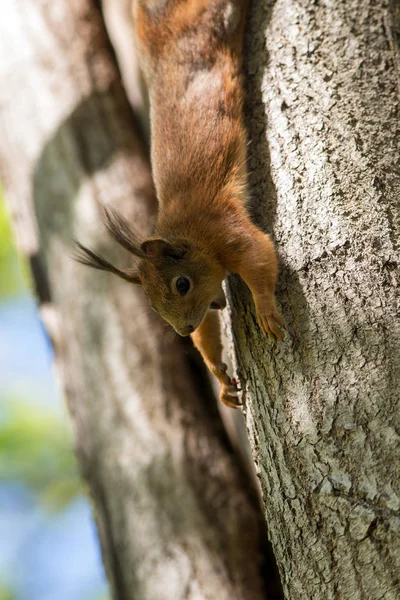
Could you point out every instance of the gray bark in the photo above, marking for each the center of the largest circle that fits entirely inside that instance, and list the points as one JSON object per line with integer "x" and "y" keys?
{"x": 176, "y": 514}
{"x": 322, "y": 407}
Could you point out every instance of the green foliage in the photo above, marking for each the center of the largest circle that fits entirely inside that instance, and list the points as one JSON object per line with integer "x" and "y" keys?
{"x": 35, "y": 443}
{"x": 11, "y": 268}
{"x": 35, "y": 447}
{"x": 6, "y": 593}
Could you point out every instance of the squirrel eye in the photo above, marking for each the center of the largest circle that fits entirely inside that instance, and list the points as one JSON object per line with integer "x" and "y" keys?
{"x": 182, "y": 285}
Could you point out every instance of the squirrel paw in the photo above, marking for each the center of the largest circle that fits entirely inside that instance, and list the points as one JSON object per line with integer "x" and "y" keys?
{"x": 229, "y": 387}
{"x": 270, "y": 321}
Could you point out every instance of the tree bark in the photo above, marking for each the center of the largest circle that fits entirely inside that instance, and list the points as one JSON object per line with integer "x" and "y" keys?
{"x": 176, "y": 514}
{"x": 322, "y": 407}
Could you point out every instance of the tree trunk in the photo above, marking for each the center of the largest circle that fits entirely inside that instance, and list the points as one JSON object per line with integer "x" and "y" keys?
{"x": 322, "y": 406}
{"x": 176, "y": 515}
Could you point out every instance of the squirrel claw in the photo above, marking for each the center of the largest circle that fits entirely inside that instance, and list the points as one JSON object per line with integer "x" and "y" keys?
{"x": 229, "y": 387}
{"x": 230, "y": 393}
{"x": 270, "y": 323}
{"x": 229, "y": 400}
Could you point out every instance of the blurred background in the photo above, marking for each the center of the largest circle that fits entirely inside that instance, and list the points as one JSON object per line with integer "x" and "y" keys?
{"x": 48, "y": 542}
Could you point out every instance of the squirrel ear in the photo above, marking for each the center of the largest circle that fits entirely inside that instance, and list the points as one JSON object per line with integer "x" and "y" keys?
{"x": 159, "y": 248}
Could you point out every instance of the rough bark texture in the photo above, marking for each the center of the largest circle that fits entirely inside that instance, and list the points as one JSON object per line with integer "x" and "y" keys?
{"x": 176, "y": 515}
{"x": 322, "y": 406}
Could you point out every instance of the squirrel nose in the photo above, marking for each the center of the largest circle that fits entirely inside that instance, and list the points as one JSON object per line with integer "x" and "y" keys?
{"x": 185, "y": 331}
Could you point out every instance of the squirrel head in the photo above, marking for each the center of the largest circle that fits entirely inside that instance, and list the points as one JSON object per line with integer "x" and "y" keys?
{"x": 180, "y": 281}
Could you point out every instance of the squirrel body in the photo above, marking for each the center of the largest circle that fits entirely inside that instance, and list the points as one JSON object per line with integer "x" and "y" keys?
{"x": 191, "y": 56}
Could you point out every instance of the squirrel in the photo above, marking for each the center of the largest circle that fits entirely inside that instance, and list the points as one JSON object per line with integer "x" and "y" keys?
{"x": 191, "y": 56}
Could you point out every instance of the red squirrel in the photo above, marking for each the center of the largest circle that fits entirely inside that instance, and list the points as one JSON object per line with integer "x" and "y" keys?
{"x": 191, "y": 56}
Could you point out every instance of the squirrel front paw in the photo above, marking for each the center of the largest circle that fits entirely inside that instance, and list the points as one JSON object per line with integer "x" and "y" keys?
{"x": 269, "y": 319}
{"x": 229, "y": 387}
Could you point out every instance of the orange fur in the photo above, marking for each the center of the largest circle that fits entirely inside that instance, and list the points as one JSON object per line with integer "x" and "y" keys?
{"x": 191, "y": 55}
{"x": 193, "y": 71}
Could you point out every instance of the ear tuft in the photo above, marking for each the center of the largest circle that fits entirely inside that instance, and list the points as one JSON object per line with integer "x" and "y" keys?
{"x": 157, "y": 248}
{"x": 122, "y": 231}
{"x": 89, "y": 258}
